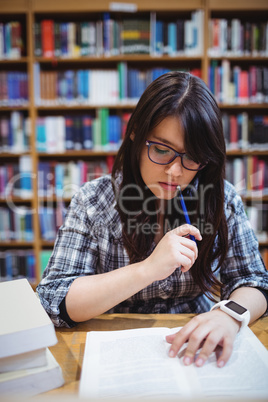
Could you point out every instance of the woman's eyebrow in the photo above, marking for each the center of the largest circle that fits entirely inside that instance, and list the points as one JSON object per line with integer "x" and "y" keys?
{"x": 164, "y": 141}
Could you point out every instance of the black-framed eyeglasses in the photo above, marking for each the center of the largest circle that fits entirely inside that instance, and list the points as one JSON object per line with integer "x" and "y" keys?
{"x": 162, "y": 154}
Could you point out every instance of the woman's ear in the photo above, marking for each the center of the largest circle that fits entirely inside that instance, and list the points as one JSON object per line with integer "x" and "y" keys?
{"x": 132, "y": 136}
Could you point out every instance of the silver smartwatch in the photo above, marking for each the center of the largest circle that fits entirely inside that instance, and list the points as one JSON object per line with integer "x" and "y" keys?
{"x": 235, "y": 310}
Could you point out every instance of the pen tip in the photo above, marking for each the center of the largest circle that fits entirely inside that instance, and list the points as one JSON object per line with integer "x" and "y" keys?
{"x": 179, "y": 188}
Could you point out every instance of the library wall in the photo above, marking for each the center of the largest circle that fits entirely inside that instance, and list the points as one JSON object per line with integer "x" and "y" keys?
{"x": 78, "y": 69}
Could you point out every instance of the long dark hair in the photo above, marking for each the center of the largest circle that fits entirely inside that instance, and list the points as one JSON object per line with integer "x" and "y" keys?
{"x": 186, "y": 97}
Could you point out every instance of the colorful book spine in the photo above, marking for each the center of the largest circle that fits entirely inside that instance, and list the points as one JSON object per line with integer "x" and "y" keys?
{"x": 15, "y": 132}
{"x": 244, "y": 132}
{"x": 249, "y": 175}
{"x": 234, "y": 85}
{"x": 11, "y": 40}
{"x": 13, "y": 88}
{"x": 16, "y": 224}
{"x": 63, "y": 179}
{"x": 234, "y": 37}
{"x": 101, "y": 133}
{"x": 17, "y": 264}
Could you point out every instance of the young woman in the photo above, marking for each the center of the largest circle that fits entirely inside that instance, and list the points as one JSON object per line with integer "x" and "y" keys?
{"x": 125, "y": 246}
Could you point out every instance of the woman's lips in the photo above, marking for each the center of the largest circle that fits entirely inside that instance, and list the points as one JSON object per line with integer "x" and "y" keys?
{"x": 168, "y": 186}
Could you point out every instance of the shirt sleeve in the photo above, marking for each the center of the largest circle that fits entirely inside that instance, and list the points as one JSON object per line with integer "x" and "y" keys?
{"x": 243, "y": 265}
{"x": 75, "y": 254}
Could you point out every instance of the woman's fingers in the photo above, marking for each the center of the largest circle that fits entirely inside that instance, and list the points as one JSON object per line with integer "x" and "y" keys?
{"x": 205, "y": 334}
{"x": 187, "y": 229}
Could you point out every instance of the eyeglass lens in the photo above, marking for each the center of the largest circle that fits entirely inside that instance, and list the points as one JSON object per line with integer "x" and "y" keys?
{"x": 162, "y": 154}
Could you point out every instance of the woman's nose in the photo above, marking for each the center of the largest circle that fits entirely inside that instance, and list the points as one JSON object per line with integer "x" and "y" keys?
{"x": 175, "y": 168}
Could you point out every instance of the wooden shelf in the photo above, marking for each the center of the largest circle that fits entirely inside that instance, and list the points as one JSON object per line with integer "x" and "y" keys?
{"x": 82, "y": 153}
{"x": 15, "y": 200}
{"x": 46, "y": 243}
{"x": 16, "y": 244}
{"x": 14, "y": 107}
{"x": 14, "y": 6}
{"x": 50, "y": 6}
{"x": 29, "y": 11}
{"x": 105, "y": 59}
{"x": 85, "y": 107}
{"x": 238, "y": 5}
{"x": 255, "y": 198}
{"x": 247, "y": 106}
{"x": 250, "y": 58}
{"x": 246, "y": 153}
{"x": 22, "y": 60}
{"x": 10, "y": 155}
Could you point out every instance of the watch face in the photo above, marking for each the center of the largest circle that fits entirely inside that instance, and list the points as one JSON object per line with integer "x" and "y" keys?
{"x": 236, "y": 307}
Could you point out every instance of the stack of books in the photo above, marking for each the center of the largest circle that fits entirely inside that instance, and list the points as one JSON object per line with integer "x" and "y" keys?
{"x": 27, "y": 367}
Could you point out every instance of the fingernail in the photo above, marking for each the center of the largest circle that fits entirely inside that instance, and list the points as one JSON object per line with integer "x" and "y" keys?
{"x": 171, "y": 353}
{"x": 221, "y": 364}
{"x": 199, "y": 362}
{"x": 187, "y": 361}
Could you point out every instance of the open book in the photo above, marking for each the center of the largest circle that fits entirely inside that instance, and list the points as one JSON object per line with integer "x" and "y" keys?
{"x": 135, "y": 363}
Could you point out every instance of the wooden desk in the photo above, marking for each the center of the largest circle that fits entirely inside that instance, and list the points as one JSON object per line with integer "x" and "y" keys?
{"x": 69, "y": 350}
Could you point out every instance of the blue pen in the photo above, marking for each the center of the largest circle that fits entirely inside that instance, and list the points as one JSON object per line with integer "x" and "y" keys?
{"x": 186, "y": 216}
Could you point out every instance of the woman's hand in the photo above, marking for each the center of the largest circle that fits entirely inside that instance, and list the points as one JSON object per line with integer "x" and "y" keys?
{"x": 174, "y": 250}
{"x": 206, "y": 331}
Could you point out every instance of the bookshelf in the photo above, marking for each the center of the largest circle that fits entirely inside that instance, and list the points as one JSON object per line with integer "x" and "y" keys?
{"x": 39, "y": 108}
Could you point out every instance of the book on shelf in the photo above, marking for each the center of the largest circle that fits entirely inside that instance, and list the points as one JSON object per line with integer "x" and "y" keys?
{"x": 50, "y": 220}
{"x": 135, "y": 363}
{"x": 11, "y": 41}
{"x": 98, "y": 87}
{"x": 245, "y": 132}
{"x": 258, "y": 217}
{"x": 15, "y": 132}
{"x": 16, "y": 223}
{"x": 234, "y": 37}
{"x": 79, "y": 132}
{"x": 25, "y": 327}
{"x": 109, "y": 36}
{"x": 29, "y": 382}
{"x": 62, "y": 179}
{"x": 135, "y": 36}
{"x": 249, "y": 175}
{"x": 13, "y": 88}
{"x": 234, "y": 85}
{"x": 17, "y": 264}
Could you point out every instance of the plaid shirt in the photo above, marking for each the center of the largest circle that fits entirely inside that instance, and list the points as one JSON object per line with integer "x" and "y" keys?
{"x": 90, "y": 242}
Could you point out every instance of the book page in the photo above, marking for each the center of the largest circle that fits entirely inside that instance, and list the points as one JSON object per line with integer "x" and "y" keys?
{"x": 135, "y": 363}
{"x": 131, "y": 363}
{"x": 244, "y": 375}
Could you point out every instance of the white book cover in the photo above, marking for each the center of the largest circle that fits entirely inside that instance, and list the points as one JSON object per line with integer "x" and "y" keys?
{"x": 51, "y": 134}
{"x": 226, "y": 72}
{"x": 198, "y": 20}
{"x": 22, "y": 361}
{"x": 25, "y": 325}
{"x": 2, "y": 46}
{"x": 60, "y": 133}
{"x": 36, "y": 72}
{"x": 30, "y": 382}
{"x": 245, "y": 131}
{"x": 25, "y": 176}
{"x": 135, "y": 363}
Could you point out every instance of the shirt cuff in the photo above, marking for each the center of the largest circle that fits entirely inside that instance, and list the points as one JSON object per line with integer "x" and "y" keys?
{"x": 64, "y": 315}
{"x": 265, "y": 294}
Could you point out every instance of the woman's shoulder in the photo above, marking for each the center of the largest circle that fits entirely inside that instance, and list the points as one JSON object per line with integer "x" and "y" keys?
{"x": 98, "y": 192}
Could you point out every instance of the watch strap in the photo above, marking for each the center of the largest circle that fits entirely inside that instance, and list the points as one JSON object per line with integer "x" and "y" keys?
{"x": 243, "y": 318}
